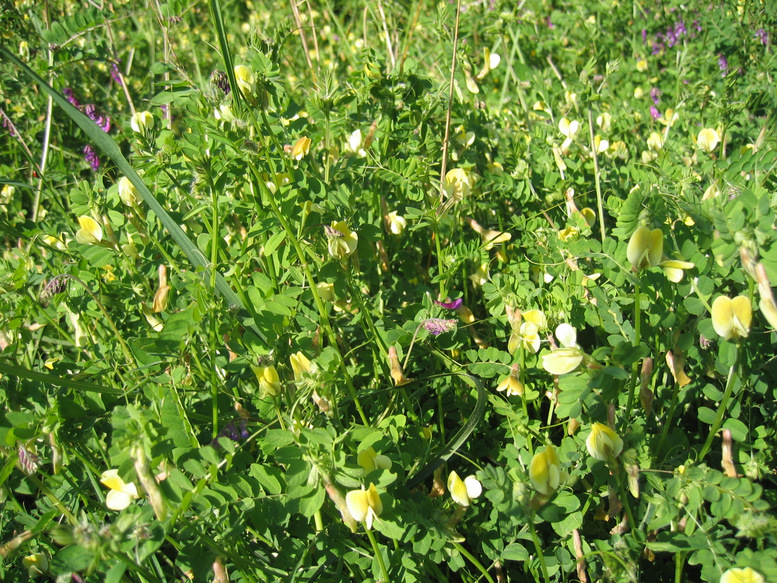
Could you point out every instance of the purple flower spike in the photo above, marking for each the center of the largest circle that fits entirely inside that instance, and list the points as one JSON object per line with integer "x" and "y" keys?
{"x": 762, "y": 36}
{"x": 723, "y": 64}
{"x": 454, "y": 305}
{"x": 654, "y": 113}
{"x": 91, "y": 157}
{"x": 655, "y": 95}
{"x": 438, "y": 326}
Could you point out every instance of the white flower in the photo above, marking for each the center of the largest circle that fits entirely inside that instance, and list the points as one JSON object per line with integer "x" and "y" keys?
{"x": 121, "y": 494}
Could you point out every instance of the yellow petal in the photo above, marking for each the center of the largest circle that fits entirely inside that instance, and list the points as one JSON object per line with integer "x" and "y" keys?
{"x": 603, "y": 443}
{"x": 356, "y": 500}
{"x": 645, "y": 248}
{"x": 117, "y": 500}
{"x": 745, "y": 575}
{"x": 562, "y": 360}
{"x": 458, "y": 489}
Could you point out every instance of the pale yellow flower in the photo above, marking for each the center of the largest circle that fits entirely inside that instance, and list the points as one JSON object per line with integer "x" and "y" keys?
{"x": 301, "y": 148}
{"x": 642, "y": 65}
{"x": 269, "y": 381}
{"x": 341, "y": 241}
{"x": 742, "y": 575}
{"x": 645, "y": 248}
{"x": 732, "y": 318}
{"x": 142, "y": 122}
{"x": 245, "y": 80}
{"x": 604, "y": 121}
{"x": 37, "y": 564}
{"x": 655, "y": 142}
{"x": 90, "y": 232}
{"x": 364, "y": 505}
{"x": 396, "y": 223}
{"x": 603, "y": 443}
{"x": 371, "y": 460}
{"x": 127, "y": 192}
{"x": 511, "y": 384}
{"x": 545, "y": 471}
{"x": 121, "y": 494}
{"x": 463, "y": 491}
{"x": 708, "y": 139}
{"x": 674, "y": 269}
{"x": 301, "y": 365}
{"x": 458, "y": 184}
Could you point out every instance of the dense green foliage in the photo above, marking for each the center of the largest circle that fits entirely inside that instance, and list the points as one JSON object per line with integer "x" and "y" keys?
{"x": 234, "y": 241}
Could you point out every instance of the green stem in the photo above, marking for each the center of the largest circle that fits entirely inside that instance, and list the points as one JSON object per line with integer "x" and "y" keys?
{"x": 440, "y": 263}
{"x": 679, "y": 561}
{"x": 214, "y": 258}
{"x": 538, "y": 549}
{"x": 635, "y": 343}
{"x": 597, "y": 182}
{"x": 378, "y": 556}
{"x": 323, "y": 314}
{"x": 732, "y": 373}
{"x": 474, "y": 561}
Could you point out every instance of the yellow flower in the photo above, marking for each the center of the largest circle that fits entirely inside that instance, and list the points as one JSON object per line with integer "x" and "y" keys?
{"x": 529, "y": 335}
{"x": 569, "y": 129}
{"x": 512, "y": 383}
{"x": 708, "y": 139}
{"x": 301, "y": 148}
{"x": 269, "y": 381}
{"x": 458, "y": 184}
{"x": 604, "y": 121}
{"x": 341, "y": 241}
{"x": 301, "y": 365}
{"x": 645, "y": 248}
{"x": 396, "y": 223}
{"x": 36, "y": 564}
{"x": 90, "y": 232}
{"x": 545, "y": 471}
{"x": 121, "y": 494}
{"x": 326, "y": 291}
{"x": 642, "y": 65}
{"x": 463, "y": 491}
{"x": 354, "y": 145}
{"x": 245, "y": 80}
{"x": 141, "y": 122}
{"x": 674, "y": 269}
{"x": 371, "y": 460}
{"x": 603, "y": 443}
{"x": 364, "y": 505}
{"x": 731, "y": 318}
{"x": 562, "y": 360}
{"x": 127, "y": 192}
{"x": 655, "y": 142}
{"x": 744, "y": 575}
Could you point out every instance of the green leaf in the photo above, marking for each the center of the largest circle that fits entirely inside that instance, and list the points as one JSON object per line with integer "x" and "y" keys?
{"x": 107, "y": 145}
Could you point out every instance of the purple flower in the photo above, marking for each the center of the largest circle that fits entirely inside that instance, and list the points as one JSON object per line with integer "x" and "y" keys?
{"x": 220, "y": 80}
{"x": 657, "y": 48}
{"x": 679, "y": 28}
{"x": 233, "y": 432}
{"x": 549, "y": 23}
{"x": 101, "y": 120}
{"x": 70, "y": 96}
{"x": 91, "y": 157}
{"x": 654, "y": 113}
{"x": 437, "y": 326}
{"x": 723, "y": 64}
{"x": 644, "y": 36}
{"x": 655, "y": 95}
{"x": 762, "y": 36}
{"x": 697, "y": 26}
{"x": 454, "y": 305}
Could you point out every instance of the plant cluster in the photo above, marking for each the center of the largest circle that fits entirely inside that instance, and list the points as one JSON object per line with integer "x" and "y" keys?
{"x": 388, "y": 291}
